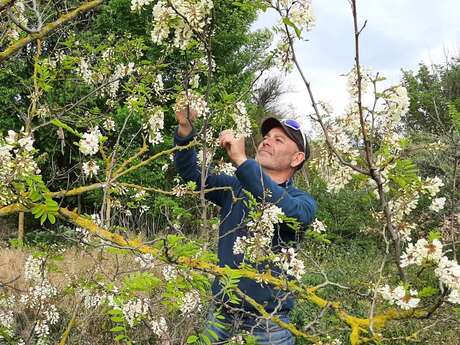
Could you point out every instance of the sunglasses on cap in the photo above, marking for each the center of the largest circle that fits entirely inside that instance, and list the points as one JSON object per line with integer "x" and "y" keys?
{"x": 293, "y": 124}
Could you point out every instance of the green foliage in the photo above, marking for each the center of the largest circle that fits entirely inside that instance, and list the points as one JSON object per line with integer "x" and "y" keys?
{"x": 140, "y": 282}
{"x": 229, "y": 282}
{"x": 345, "y": 213}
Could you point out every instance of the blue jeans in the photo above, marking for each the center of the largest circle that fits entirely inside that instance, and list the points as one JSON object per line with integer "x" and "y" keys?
{"x": 266, "y": 332}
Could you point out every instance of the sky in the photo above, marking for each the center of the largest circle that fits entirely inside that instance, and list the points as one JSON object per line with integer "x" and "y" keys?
{"x": 399, "y": 34}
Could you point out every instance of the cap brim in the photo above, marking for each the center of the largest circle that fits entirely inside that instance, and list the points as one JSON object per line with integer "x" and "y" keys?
{"x": 272, "y": 122}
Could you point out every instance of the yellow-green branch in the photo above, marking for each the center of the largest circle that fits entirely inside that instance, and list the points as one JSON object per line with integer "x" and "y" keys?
{"x": 155, "y": 156}
{"x": 11, "y": 209}
{"x": 47, "y": 29}
{"x": 357, "y": 325}
{"x": 275, "y": 319}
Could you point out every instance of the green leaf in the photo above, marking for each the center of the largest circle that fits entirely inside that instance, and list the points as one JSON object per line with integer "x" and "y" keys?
{"x": 288, "y": 22}
{"x": 117, "y": 329}
{"x": 434, "y": 235}
{"x": 117, "y": 319}
{"x": 43, "y": 218}
{"x": 428, "y": 292}
{"x": 141, "y": 281}
{"x": 52, "y": 218}
{"x": 213, "y": 334}
{"x": 115, "y": 312}
{"x": 192, "y": 339}
{"x": 120, "y": 337}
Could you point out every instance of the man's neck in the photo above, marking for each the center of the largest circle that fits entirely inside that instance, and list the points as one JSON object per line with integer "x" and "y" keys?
{"x": 278, "y": 176}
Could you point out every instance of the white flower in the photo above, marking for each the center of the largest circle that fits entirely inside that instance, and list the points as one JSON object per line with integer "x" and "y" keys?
{"x": 169, "y": 272}
{"x": 433, "y": 185}
{"x": 400, "y": 296}
{"x": 146, "y": 261}
{"x": 242, "y": 121}
{"x": 437, "y": 204}
{"x": 159, "y": 327}
{"x": 408, "y": 301}
{"x": 191, "y": 302}
{"x": 200, "y": 156}
{"x": 33, "y": 269}
{"x": 90, "y": 168}
{"x": 454, "y": 296}
{"x": 289, "y": 263}
{"x": 109, "y": 125}
{"x": 155, "y": 124}
{"x": 240, "y": 245}
{"x": 422, "y": 252}
{"x": 318, "y": 226}
{"x": 225, "y": 168}
{"x": 11, "y": 138}
{"x": 91, "y": 299}
{"x": 135, "y": 309}
{"x": 448, "y": 272}
{"x": 180, "y": 190}
{"x": 194, "y": 101}
{"x": 158, "y": 84}
{"x": 89, "y": 145}
{"x": 26, "y": 143}
{"x": 85, "y": 71}
{"x": 137, "y": 5}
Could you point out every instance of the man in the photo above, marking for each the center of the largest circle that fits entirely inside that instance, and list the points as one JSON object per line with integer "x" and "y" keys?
{"x": 281, "y": 153}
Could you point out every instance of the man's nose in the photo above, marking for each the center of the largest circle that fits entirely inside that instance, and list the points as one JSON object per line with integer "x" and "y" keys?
{"x": 266, "y": 142}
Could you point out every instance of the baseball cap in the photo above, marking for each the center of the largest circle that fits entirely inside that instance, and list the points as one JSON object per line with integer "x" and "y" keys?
{"x": 292, "y": 129}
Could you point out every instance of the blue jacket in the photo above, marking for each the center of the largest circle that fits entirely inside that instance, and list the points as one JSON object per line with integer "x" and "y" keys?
{"x": 249, "y": 176}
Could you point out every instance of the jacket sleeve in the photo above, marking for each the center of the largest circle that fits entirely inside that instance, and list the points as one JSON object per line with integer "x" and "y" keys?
{"x": 186, "y": 165}
{"x": 299, "y": 205}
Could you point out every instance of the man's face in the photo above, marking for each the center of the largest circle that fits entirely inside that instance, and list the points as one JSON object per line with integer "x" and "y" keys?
{"x": 277, "y": 151}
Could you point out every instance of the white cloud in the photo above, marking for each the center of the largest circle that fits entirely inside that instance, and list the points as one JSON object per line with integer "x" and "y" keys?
{"x": 399, "y": 35}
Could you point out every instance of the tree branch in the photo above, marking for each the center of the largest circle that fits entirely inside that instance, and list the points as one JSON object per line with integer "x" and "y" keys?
{"x": 47, "y": 29}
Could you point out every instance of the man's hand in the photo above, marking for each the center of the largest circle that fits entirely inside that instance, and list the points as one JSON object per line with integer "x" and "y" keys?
{"x": 234, "y": 147}
{"x": 185, "y": 118}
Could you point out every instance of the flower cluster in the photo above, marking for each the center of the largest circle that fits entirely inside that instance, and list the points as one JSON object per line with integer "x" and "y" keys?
{"x": 16, "y": 163}
{"x": 193, "y": 101}
{"x": 288, "y": 261}
{"x": 159, "y": 327}
{"x": 90, "y": 168}
{"x": 155, "y": 124}
{"x": 183, "y": 18}
{"x": 242, "y": 122}
{"x": 201, "y": 158}
{"x": 224, "y": 168}
{"x": 138, "y": 5}
{"x": 191, "y": 303}
{"x": 423, "y": 251}
{"x": 145, "y": 261}
{"x": 135, "y": 309}
{"x": 300, "y": 12}
{"x": 318, "y": 226}
{"x": 447, "y": 271}
{"x": 91, "y": 299}
{"x": 7, "y": 315}
{"x": 89, "y": 144}
{"x": 402, "y": 297}
{"x": 33, "y": 269}
{"x": 169, "y": 272}
{"x": 437, "y": 204}
{"x": 85, "y": 71}
{"x": 39, "y": 298}
{"x": 109, "y": 125}
{"x": 261, "y": 227}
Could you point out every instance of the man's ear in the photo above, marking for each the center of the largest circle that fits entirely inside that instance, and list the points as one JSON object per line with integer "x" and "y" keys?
{"x": 297, "y": 159}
